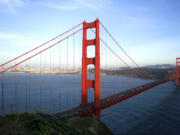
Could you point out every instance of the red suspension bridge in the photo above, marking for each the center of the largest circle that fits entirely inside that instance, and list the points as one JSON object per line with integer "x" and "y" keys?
{"x": 79, "y": 72}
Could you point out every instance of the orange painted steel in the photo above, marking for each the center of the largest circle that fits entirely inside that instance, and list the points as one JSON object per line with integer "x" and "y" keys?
{"x": 99, "y": 104}
{"x": 106, "y": 102}
{"x": 177, "y": 71}
{"x": 130, "y": 93}
{"x": 95, "y": 61}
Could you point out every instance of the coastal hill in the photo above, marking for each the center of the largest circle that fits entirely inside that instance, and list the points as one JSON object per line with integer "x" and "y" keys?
{"x": 44, "y": 124}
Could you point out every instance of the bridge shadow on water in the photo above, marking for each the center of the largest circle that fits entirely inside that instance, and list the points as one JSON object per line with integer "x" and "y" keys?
{"x": 157, "y": 116}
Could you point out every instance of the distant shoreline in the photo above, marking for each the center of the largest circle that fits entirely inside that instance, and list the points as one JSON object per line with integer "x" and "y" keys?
{"x": 155, "y": 73}
{"x": 74, "y": 73}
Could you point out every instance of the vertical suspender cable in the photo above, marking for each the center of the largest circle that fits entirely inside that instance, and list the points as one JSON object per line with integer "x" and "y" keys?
{"x": 53, "y": 79}
{"x": 26, "y": 68}
{"x": 15, "y": 82}
{"x": 59, "y": 78}
{"x": 73, "y": 101}
{"x": 40, "y": 83}
{"x": 2, "y": 93}
{"x": 50, "y": 101}
{"x": 67, "y": 94}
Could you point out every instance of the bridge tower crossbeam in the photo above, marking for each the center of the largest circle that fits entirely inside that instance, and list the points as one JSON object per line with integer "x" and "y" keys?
{"x": 87, "y": 61}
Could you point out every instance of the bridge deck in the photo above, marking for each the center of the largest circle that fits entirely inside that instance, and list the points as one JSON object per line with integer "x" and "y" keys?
{"x": 111, "y": 100}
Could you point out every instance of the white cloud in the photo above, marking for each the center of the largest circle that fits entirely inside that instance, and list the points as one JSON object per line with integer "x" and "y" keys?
{"x": 10, "y": 36}
{"x": 15, "y": 44}
{"x": 58, "y": 6}
{"x": 19, "y": 40}
{"x": 12, "y": 2}
{"x": 11, "y": 5}
{"x": 75, "y": 4}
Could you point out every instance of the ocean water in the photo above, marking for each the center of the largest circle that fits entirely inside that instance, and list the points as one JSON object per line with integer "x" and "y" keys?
{"x": 154, "y": 112}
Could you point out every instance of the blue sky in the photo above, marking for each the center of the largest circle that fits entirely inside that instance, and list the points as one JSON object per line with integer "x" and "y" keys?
{"x": 149, "y": 30}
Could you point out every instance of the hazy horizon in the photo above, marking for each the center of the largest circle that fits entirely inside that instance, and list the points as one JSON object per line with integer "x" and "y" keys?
{"x": 148, "y": 30}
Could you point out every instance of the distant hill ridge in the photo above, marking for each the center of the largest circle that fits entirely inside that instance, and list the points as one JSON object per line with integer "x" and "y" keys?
{"x": 160, "y": 66}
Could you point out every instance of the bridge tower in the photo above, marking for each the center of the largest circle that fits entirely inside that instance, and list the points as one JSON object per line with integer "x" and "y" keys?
{"x": 87, "y": 61}
{"x": 177, "y": 71}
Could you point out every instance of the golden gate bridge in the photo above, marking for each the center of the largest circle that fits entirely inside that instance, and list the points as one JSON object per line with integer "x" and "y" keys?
{"x": 69, "y": 73}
